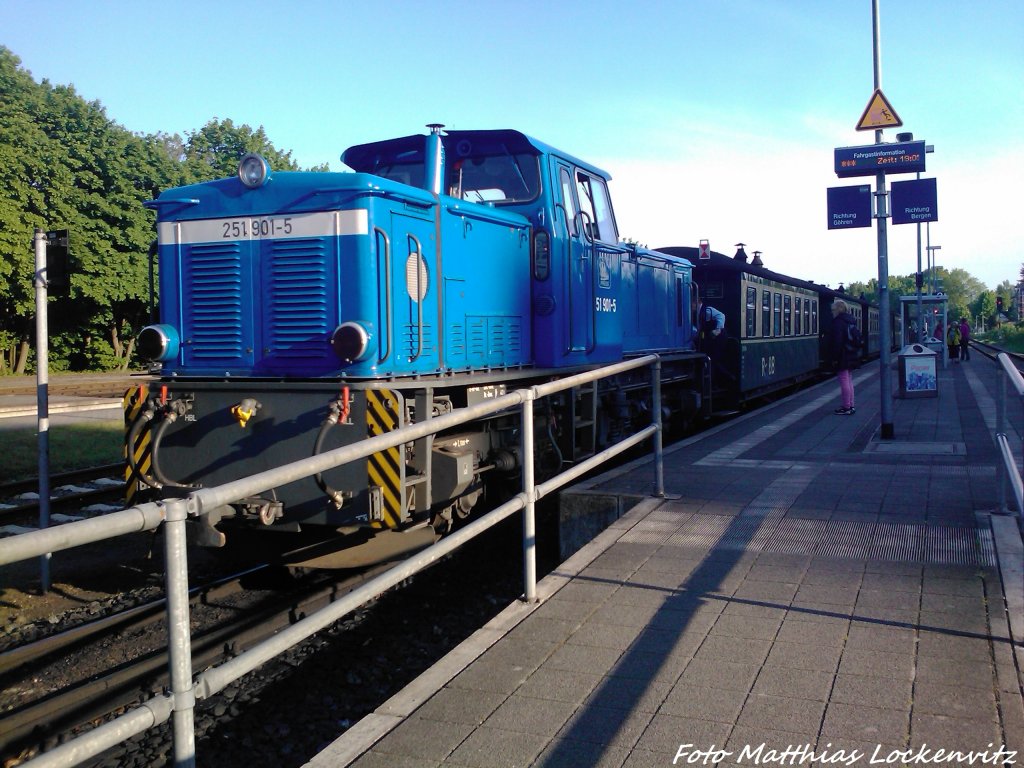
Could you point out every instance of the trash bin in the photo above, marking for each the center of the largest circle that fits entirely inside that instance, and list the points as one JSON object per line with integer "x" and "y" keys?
{"x": 917, "y": 371}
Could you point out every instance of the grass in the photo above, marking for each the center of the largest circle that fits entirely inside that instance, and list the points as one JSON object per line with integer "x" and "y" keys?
{"x": 73, "y": 446}
{"x": 1009, "y": 337}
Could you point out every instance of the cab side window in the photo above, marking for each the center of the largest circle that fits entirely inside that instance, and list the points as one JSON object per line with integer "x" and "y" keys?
{"x": 596, "y": 205}
{"x": 567, "y": 201}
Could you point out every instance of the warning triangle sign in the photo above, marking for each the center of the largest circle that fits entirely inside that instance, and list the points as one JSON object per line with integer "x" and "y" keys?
{"x": 878, "y": 114}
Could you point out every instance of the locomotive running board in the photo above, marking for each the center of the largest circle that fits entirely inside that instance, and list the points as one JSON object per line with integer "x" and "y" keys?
{"x": 381, "y": 547}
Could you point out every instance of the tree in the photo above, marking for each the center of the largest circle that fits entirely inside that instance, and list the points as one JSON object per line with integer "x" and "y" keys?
{"x": 65, "y": 165}
{"x": 1006, "y": 291}
{"x": 984, "y": 306}
{"x": 898, "y": 286}
{"x": 214, "y": 150}
{"x": 25, "y": 178}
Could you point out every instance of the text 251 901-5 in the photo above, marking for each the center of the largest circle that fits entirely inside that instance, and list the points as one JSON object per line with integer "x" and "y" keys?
{"x": 234, "y": 229}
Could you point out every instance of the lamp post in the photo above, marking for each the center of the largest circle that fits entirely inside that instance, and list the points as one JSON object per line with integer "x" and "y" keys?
{"x": 918, "y": 279}
{"x": 931, "y": 261}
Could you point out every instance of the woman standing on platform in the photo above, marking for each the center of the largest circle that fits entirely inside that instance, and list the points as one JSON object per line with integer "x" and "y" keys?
{"x": 844, "y": 357}
{"x": 965, "y": 338}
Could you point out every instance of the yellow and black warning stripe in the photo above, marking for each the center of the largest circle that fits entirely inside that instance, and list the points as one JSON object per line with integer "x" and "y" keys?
{"x": 132, "y": 403}
{"x": 384, "y": 469}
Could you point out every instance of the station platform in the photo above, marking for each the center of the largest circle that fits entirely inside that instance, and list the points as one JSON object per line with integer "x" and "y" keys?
{"x": 807, "y": 594}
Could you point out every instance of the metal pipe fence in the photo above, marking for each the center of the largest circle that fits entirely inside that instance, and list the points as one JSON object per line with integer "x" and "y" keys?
{"x": 178, "y": 705}
{"x": 1007, "y": 472}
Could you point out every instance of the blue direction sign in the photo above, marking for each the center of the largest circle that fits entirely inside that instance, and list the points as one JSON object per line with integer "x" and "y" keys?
{"x": 914, "y": 201}
{"x": 849, "y": 207}
{"x": 904, "y": 157}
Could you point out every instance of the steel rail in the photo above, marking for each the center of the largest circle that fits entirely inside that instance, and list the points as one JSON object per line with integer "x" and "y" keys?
{"x": 85, "y": 475}
{"x": 100, "y": 696}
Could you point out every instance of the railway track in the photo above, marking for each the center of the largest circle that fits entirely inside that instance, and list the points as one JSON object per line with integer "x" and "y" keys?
{"x": 66, "y": 493}
{"x": 232, "y": 619}
{"x": 991, "y": 351}
{"x": 94, "y": 385}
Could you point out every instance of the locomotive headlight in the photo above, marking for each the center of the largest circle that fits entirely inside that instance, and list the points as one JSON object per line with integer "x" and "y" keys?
{"x": 253, "y": 170}
{"x": 351, "y": 342}
{"x": 158, "y": 343}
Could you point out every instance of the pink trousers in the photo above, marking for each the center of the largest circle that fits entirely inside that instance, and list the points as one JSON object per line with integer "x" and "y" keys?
{"x": 846, "y": 387}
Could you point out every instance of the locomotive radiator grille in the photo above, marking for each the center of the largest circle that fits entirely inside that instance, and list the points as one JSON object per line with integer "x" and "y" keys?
{"x": 214, "y": 275}
{"x": 299, "y": 289}
{"x": 384, "y": 468}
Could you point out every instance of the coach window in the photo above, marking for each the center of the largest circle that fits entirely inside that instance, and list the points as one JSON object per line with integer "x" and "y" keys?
{"x": 814, "y": 318}
{"x": 797, "y": 329}
{"x": 787, "y": 315}
{"x": 751, "y": 312}
{"x": 807, "y": 316}
{"x": 766, "y": 314}
{"x": 777, "y": 315}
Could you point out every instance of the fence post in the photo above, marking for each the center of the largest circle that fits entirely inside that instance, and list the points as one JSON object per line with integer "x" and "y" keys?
{"x": 178, "y": 634}
{"x": 529, "y": 523}
{"x": 42, "y": 397}
{"x": 1002, "y": 477}
{"x": 659, "y": 468}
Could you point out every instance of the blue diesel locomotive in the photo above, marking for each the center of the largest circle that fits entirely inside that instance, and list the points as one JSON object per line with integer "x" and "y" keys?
{"x": 302, "y": 311}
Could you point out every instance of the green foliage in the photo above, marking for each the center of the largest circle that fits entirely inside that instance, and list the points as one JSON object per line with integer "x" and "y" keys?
{"x": 1008, "y": 336}
{"x": 65, "y": 165}
{"x": 963, "y": 291}
{"x": 214, "y": 150}
{"x": 984, "y": 306}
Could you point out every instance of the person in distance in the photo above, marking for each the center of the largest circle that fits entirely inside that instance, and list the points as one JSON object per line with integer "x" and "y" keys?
{"x": 845, "y": 354}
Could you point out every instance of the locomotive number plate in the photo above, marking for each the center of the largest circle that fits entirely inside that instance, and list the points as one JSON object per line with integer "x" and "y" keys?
{"x": 315, "y": 224}
{"x": 240, "y": 229}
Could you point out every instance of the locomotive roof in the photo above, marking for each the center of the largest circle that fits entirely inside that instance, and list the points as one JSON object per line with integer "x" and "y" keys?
{"x": 366, "y": 157}
{"x": 729, "y": 264}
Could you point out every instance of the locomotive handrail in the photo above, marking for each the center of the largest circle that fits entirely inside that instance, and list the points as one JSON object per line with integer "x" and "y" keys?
{"x": 488, "y": 215}
{"x": 588, "y": 253}
{"x": 179, "y": 703}
{"x": 1007, "y": 471}
{"x": 387, "y": 293}
{"x": 420, "y": 296}
{"x": 423, "y": 202}
{"x": 176, "y": 201}
{"x": 567, "y": 273}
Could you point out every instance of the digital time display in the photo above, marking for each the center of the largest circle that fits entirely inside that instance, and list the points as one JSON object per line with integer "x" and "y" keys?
{"x": 905, "y": 157}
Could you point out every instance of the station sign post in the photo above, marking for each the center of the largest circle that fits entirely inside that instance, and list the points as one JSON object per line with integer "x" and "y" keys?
{"x": 849, "y": 207}
{"x": 914, "y": 202}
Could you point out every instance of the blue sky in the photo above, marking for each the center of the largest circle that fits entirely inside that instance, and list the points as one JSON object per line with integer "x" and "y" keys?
{"x": 717, "y": 119}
